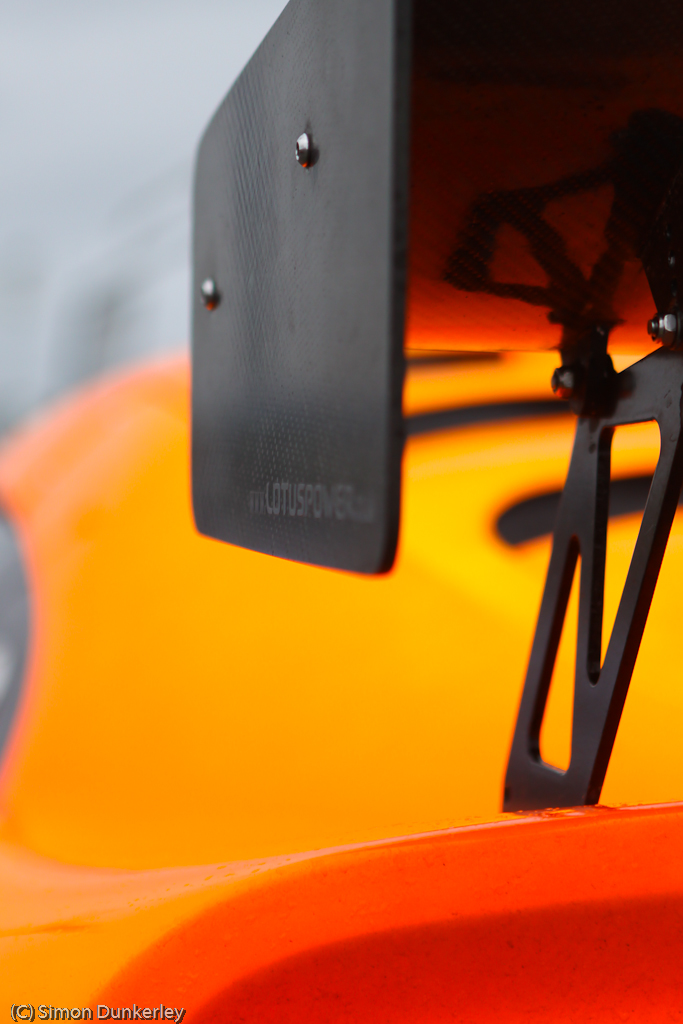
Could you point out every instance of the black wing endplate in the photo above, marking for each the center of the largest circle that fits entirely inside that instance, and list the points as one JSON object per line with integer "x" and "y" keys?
{"x": 299, "y": 238}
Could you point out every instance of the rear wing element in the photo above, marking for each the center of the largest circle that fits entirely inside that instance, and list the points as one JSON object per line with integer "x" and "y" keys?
{"x": 522, "y": 148}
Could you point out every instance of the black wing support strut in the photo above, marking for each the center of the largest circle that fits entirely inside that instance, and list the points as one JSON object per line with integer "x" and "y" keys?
{"x": 650, "y": 390}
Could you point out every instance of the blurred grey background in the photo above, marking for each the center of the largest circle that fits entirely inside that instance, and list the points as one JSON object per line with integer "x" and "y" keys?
{"x": 102, "y": 103}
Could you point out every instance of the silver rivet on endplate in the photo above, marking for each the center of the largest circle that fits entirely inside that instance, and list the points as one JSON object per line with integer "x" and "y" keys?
{"x": 210, "y": 294}
{"x": 304, "y": 150}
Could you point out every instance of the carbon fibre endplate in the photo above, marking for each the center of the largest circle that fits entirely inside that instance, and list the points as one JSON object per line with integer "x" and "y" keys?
{"x": 298, "y": 367}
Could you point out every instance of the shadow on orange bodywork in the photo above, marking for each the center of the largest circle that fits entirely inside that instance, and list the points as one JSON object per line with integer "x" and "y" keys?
{"x": 569, "y": 918}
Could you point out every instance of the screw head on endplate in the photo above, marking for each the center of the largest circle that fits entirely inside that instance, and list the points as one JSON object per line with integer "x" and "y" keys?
{"x": 564, "y": 381}
{"x": 664, "y": 328}
{"x": 210, "y": 294}
{"x": 304, "y": 150}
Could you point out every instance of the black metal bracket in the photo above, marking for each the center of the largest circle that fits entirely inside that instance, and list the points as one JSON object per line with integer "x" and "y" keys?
{"x": 652, "y": 389}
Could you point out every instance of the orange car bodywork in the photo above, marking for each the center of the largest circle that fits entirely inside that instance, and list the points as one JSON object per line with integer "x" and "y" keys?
{"x": 191, "y": 703}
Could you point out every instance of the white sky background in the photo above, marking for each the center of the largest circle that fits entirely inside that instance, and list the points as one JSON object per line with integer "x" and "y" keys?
{"x": 102, "y": 103}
